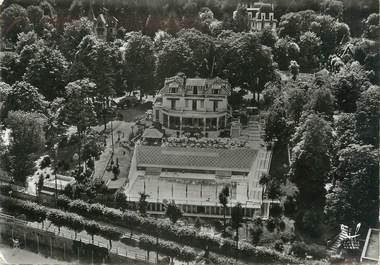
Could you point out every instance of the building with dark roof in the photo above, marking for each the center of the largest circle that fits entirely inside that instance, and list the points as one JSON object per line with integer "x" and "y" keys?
{"x": 105, "y": 25}
{"x": 194, "y": 105}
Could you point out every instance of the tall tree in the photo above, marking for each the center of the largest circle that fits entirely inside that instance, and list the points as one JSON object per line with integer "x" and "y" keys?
{"x": 176, "y": 56}
{"x": 46, "y": 71}
{"x": 35, "y": 15}
{"x": 143, "y": 204}
{"x": 73, "y": 34}
{"x": 354, "y": 199}
{"x": 223, "y": 200}
{"x": 310, "y": 51}
{"x": 249, "y": 63}
{"x": 348, "y": 85}
{"x": 309, "y": 170}
{"x": 322, "y": 101}
{"x": 27, "y": 142}
{"x": 240, "y": 23}
{"x": 138, "y": 63}
{"x": 371, "y": 26}
{"x": 202, "y": 47}
{"x": 14, "y": 21}
{"x": 277, "y": 125}
{"x": 78, "y": 109}
{"x": 367, "y": 116}
{"x": 25, "y": 97}
{"x": 173, "y": 212}
{"x": 236, "y": 220}
{"x": 285, "y": 50}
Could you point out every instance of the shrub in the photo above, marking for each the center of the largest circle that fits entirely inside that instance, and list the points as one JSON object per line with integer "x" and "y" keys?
{"x": 275, "y": 210}
{"x": 96, "y": 209}
{"x": 271, "y": 224}
{"x": 187, "y": 254}
{"x": 288, "y": 237}
{"x": 279, "y": 246}
{"x": 299, "y": 249}
{"x": 256, "y": 233}
{"x": 63, "y": 202}
{"x": 80, "y": 207}
{"x": 45, "y": 162}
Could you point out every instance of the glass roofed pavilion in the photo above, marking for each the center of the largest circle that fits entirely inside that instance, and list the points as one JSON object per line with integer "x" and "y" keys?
{"x": 194, "y": 177}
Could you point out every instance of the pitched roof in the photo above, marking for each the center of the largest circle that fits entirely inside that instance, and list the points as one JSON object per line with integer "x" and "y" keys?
{"x": 195, "y": 81}
{"x": 239, "y": 159}
{"x": 152, "y": 133}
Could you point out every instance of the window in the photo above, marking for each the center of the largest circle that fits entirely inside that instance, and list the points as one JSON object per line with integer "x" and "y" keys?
{"x": 216, "y": 91}
{"x": 215, "y": 105}
{"x": 172, "y": 103}
{"x": 194, "y": 105}
{"x": 173, "y": 90}
{"x": 202, "y": 104}
{"x": 195, "y": 90}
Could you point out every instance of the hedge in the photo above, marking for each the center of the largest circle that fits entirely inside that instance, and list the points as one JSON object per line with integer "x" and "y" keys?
{"x": 186, "y": 235}
{"x": 168, "y": 248}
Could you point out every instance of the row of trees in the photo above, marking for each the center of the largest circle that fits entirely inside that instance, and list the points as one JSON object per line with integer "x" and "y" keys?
{"x": 168, "y": 230}
{"x": 77, "y": 223}
{"x": 136, "y": 60}
{"x": 172, "y": 16}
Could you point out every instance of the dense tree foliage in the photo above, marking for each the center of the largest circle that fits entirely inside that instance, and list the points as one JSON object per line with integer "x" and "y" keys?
{"x": 354, "y": 199}
{"x": 46, "y": 70}
{"x": 14, "y": 21}
{"x": 367, "y": 116}
{"x": 138, "y": 63}
{"x": 28, "y": 140}
{"x": 25, "y": 97}
{"x": 73, "y": 34}
{"x": 309, "y": 170}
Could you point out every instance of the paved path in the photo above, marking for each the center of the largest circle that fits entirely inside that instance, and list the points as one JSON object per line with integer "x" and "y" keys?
{"x": 122, "y": 154}
{"x": 117, "y": 247}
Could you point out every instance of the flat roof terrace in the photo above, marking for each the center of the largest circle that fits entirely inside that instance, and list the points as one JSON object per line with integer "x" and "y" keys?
{"x": 239, "y": 159}
{"x": 190, "y": 189}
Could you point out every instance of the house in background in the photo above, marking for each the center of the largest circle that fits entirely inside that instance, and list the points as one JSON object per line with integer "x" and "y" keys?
{"x": 260, "y": 15}
{"x": 105, "y": 25}
{"x": 193, "y": 105}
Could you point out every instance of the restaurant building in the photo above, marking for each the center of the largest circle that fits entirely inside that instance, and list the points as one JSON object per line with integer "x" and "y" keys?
{"x": 194, "y": 105}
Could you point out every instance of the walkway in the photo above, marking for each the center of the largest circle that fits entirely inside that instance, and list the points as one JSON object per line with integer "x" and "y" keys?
{"x": 121, "y": 130}
{"x": 117, "y": 247}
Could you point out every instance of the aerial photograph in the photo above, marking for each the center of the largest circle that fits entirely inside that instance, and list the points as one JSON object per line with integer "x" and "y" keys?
{"x": 189, "y": 132}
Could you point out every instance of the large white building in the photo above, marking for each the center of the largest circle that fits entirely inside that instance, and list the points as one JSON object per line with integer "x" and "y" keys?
{"x": 193, "y": 177}
{"x": 193, "y": 105}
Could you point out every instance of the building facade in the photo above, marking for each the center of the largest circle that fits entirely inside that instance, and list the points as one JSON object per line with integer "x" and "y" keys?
{"x": 260, "y": 15}
{"x": 105, "y": 25}
{"x": 194, "y": 105}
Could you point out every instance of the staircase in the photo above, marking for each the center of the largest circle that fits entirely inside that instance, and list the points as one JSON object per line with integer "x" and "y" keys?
{"x": 253, "y": 132}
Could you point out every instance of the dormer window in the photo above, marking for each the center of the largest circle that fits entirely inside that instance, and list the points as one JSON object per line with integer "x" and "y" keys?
{"x": 173, "y": 90}
{"x": 216, "y": 91}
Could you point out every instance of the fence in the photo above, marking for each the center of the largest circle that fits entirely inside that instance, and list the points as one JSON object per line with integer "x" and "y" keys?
{"x": 61, "y": 245}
